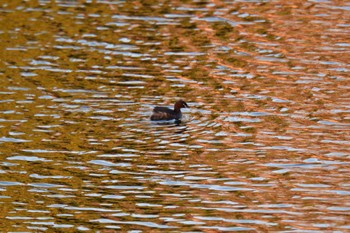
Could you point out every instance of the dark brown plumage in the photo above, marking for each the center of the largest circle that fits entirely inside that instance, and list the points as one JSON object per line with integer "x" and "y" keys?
{"x": 164, "y": 113}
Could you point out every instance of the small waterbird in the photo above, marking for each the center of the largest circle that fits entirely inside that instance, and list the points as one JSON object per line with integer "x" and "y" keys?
{"x": 164, "y": 113}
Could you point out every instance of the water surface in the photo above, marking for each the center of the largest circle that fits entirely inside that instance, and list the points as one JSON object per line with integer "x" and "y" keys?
{"x": 265, "y": 145}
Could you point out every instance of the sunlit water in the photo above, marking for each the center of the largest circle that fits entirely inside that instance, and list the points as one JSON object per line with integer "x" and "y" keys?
{"x": 265, "y": 145}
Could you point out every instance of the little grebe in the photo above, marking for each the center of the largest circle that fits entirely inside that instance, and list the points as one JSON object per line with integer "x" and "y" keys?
{"x": 164, "y": 113}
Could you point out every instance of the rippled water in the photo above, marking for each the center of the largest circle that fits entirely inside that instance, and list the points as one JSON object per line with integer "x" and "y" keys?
{"x": 265, "y": 145}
